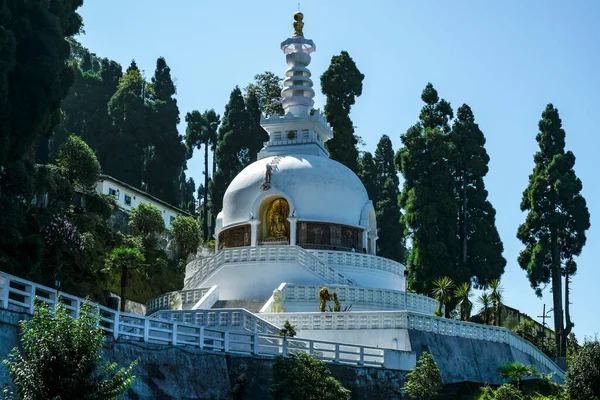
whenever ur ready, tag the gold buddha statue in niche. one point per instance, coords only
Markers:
(277, 213)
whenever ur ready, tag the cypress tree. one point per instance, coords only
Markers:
(129, 114)
(267, 89)
(389, 226)
(341, 84)
(480, 244)
(557, 217)
(368, 175)
(30, 95)
(231, 154)
(164, 170)
(428, 197)
(256, 134)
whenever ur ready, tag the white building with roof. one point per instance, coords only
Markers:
(128, 197)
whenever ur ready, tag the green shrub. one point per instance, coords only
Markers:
(61, 358)
(424, 381)
(583, 377)
(186, 233)
(302, 377)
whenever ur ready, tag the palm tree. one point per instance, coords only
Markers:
(496, 298)
(462, 294)
(202, 131)
(484, 301)
(515, 371)
(442, 292)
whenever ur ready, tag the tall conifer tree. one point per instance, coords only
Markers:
(557, 217)
(129, 114)
(428, 196)
(341, 84)
(164, 175)
(391, 230)
(256, 134)
(368, 175)
(480, 244)
(267, 89)
(231, 154)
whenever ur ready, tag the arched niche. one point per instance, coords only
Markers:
(275, 227)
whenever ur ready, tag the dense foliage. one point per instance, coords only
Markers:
(389, 225)
(302, 377)
(557, 217)
(447, 215)
(583, 376)
(341, 84)
(186, 233)
(61, 357)
(424, 381)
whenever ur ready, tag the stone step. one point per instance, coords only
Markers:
(250, 305)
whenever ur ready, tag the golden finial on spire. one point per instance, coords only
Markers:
(298, 24)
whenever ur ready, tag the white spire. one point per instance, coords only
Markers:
(298, 131)
(297, 94)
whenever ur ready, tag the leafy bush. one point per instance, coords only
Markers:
(508, 392)
(79, 163)
(186, 233)
(61, 358)
(424, 381)
(147, 222)
(302, 377)
(583, 377)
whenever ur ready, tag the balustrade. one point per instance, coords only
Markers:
(163, 301)
(259, 337)
(199, 270)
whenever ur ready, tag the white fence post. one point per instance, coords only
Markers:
(32, 299)
(116, 325)
(5, 292)
(146, 329)
(284, 347)
(226, 342)
(337, 352)
(255, 343)
(174, 334)
(201, 338)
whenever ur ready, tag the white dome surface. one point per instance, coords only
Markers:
(316, 187)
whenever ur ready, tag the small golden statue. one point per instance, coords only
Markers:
(298, 24)
(276, 215)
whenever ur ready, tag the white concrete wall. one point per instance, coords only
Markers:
(136, 199)
(371, 278)
(386, 338)
(255, 280)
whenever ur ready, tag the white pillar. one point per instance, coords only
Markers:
(365, 238)
(293, 223)
(373, 242)
(254, 232)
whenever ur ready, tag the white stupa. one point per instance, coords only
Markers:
(297, 227)
(297, 221)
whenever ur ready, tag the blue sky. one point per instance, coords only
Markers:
(506, 59)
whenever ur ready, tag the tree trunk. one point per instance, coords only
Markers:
(123, 288)
(568, 324)
(557, 293)
(463, 220)
(205, 207)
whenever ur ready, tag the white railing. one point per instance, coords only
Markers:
(199, 270)
(163, 302)
(358, 297)
(411, 320)
(360, 260)
(20, 294)
(208, 300)
(234, 319)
